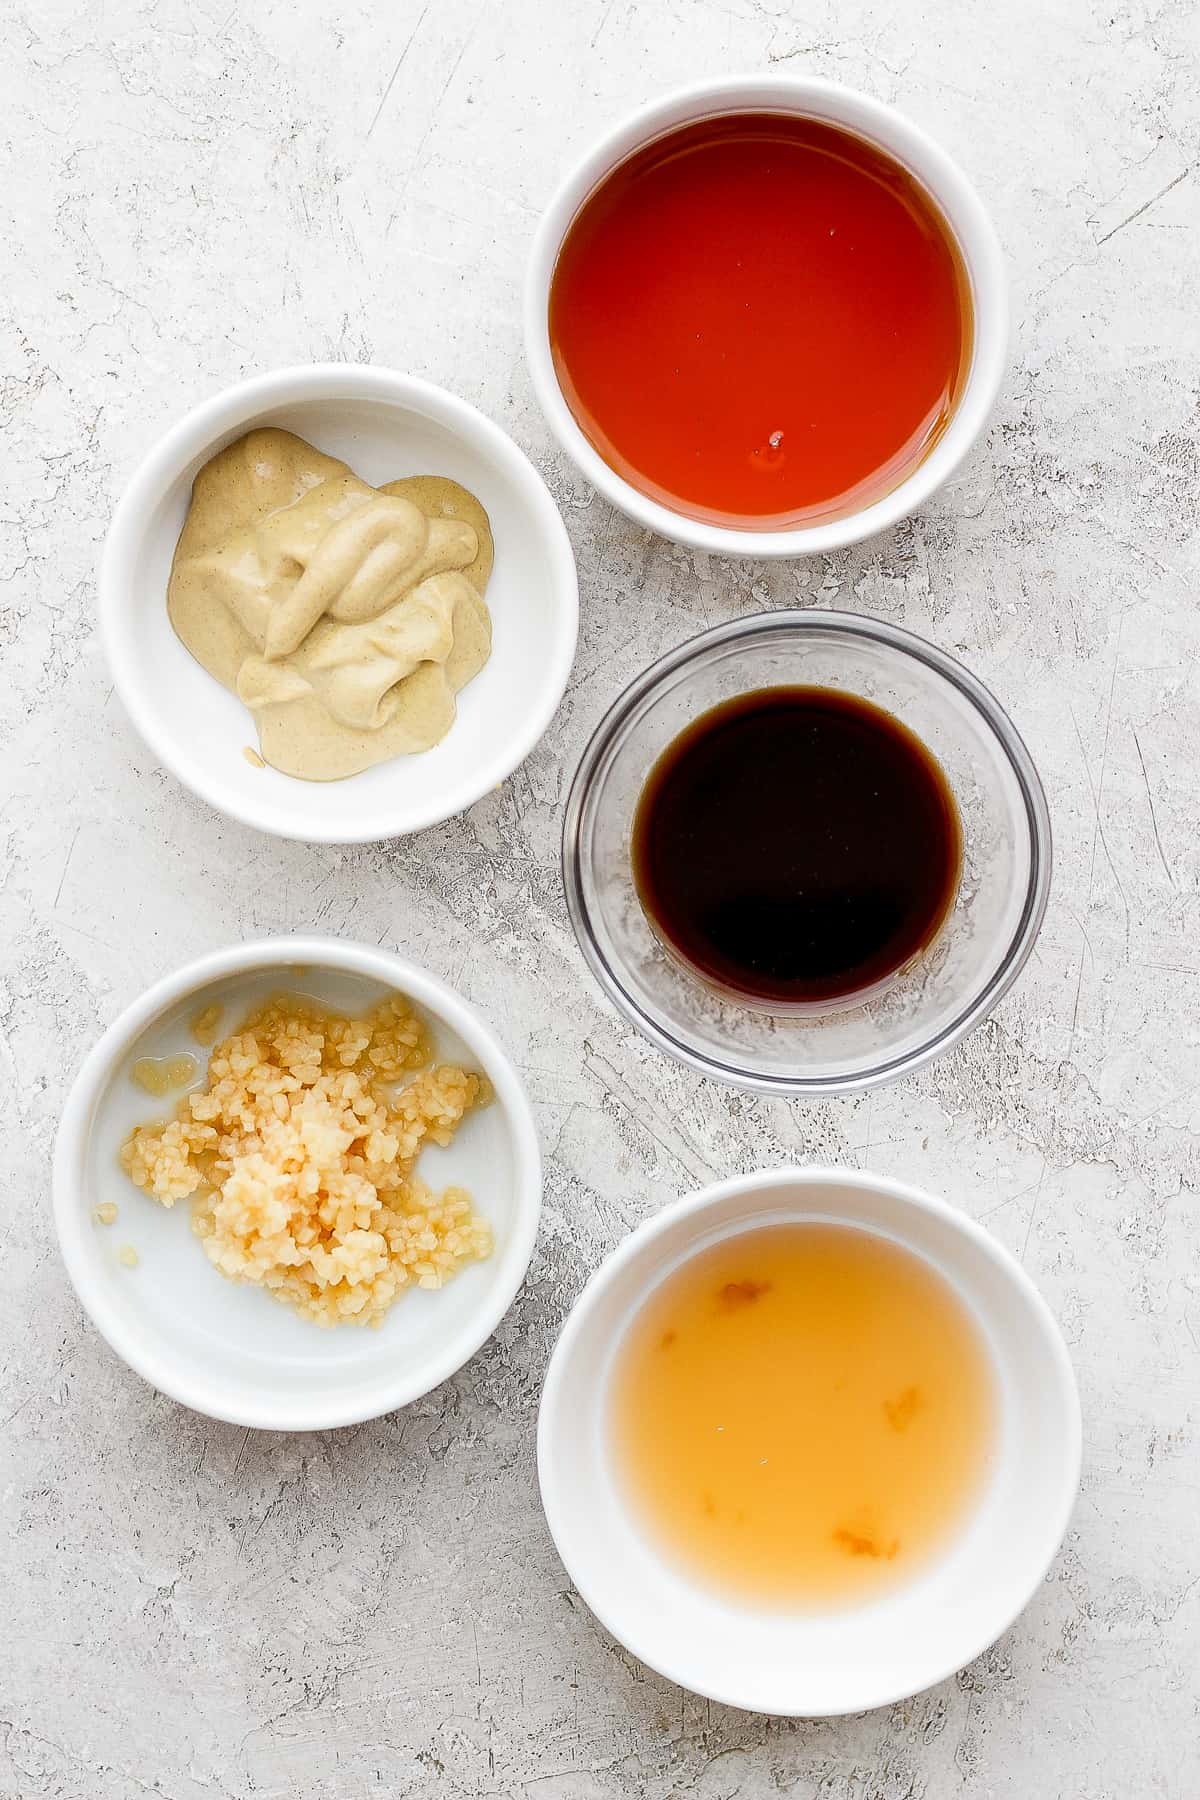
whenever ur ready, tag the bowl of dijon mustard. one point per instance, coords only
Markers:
(338, 603)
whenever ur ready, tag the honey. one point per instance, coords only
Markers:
(802, 1415)
(761, 320)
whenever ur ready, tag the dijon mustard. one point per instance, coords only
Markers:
(345, 617)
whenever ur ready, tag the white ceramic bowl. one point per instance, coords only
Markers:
(384, 425)
(815, 1664)
(231, 1350)
(908, 145)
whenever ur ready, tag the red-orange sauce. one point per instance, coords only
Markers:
(761, 320)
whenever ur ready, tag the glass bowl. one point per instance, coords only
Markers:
(943, 993)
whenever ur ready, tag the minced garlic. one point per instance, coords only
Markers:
(206, 1024)
(298, 1155)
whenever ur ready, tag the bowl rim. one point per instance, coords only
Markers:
(891, 131)
(766, 1181)
(984, 703)
(224, 411)
(72, 1216)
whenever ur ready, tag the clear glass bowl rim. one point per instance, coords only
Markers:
(984, 703)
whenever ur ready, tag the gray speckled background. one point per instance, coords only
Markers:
(194, 191)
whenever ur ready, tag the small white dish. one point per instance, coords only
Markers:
(815, 1664)
(385, 425)
(921, 156)
(228, 1349)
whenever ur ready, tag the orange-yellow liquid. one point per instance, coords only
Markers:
(802, 1415)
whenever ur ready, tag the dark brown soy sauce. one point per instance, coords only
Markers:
(797, 845)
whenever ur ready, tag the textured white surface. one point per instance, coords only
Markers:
(195, 191)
